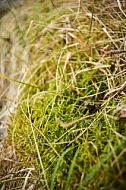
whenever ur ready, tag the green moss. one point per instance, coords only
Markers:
(89, 154)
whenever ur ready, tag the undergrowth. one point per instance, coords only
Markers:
(64, 126)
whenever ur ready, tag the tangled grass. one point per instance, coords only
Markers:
(68, 128)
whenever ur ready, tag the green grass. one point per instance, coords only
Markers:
(63, 125)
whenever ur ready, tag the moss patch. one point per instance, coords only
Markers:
(64, 125)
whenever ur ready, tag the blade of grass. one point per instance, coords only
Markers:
(57, 167)
(12, 180)
(91, 21)
(20, 82)
(71, 170)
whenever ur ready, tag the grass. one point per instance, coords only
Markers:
(63, 128)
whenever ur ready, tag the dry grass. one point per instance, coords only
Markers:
(67, 64)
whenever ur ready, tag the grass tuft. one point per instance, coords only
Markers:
(66, 125)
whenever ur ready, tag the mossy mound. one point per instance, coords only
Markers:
(64, 126)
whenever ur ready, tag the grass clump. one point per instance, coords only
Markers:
(64, 126)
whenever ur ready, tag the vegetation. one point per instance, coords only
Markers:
(69, 128)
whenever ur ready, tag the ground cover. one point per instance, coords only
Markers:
(69, 128)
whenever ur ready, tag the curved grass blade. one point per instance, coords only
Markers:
(57, 167)
(71, 170)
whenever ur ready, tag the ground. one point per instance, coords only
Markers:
(63, 98)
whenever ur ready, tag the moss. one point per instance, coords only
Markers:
(63, 126)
